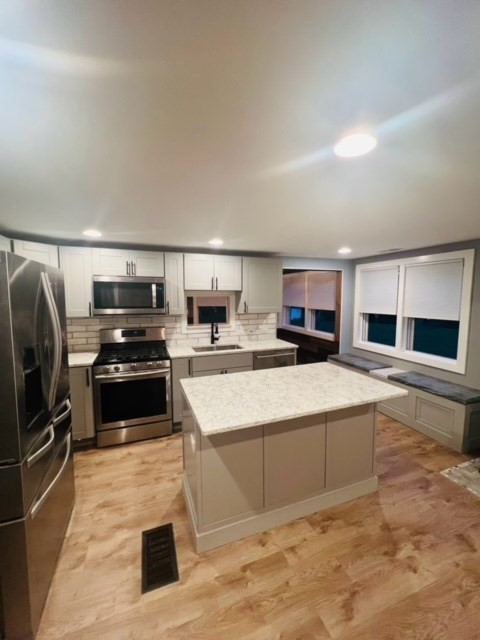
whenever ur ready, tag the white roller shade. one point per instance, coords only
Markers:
(378, 290)
(433, 290)
(294, 289)
(322, 290)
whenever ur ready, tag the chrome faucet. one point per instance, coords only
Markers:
(214, 336)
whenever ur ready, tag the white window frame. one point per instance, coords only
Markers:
(199, 330)
(403, 337)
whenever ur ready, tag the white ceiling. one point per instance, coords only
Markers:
(168, 122)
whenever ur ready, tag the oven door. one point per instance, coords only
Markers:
(128, 399)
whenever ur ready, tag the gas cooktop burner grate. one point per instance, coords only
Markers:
(132, 354)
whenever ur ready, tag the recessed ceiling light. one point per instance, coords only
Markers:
(92, 233)
(344, 250)
(356, 144)
(216, 242)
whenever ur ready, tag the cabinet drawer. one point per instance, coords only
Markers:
(224, 361)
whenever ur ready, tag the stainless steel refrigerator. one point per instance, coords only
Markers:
(36, 462)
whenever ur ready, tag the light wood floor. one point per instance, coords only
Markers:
(402, 563)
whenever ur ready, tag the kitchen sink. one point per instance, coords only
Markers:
(217, 347)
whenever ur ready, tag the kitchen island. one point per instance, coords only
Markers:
(262, 448)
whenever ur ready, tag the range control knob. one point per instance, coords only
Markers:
(150, 365)
(116, 368)
(106, 369)
(133, 367)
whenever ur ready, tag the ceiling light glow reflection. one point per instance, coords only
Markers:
(92, 233)
(355, 144)
(215, 242)
(344, 250)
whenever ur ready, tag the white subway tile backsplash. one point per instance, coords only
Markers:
(83, 333)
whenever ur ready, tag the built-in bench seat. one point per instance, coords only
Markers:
(445, 411)
(442, 388)
(357, 362)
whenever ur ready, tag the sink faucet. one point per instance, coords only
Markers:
(214, 333)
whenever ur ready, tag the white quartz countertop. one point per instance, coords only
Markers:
(82, 359)
(241, 400)
(183, 351)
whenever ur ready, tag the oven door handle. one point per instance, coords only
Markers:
(136, 374)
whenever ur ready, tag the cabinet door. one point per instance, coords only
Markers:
(44, 253)
(228, 273)
(111, 262)
(83, 423)
(174, 284)
(148, 263)
(5, 244)
(76, 263)
(198, 272)
(180, 370)
(350, 446)
(262, 286)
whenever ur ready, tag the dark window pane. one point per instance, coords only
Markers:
(325, 320)
(436, 337)
(212, 314)
(382, 329)
(297, 316)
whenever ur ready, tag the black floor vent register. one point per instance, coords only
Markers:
(159, 558)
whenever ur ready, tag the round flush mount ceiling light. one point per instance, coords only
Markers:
(355, 144)
(344, 250)
(215, 242)
(92, 233)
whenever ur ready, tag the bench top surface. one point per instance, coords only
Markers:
(448, 390)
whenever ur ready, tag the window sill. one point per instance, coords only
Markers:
(307, 332)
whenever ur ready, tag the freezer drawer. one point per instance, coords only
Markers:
(30, 548)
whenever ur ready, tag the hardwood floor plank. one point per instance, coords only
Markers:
(398, 564)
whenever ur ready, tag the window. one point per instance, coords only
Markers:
(296, 316)
(381, 328)
(435, 337)
(417, 309)
(204, 309)
(310, 301)
(324, 320)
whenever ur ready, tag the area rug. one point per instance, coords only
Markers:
(466, 474)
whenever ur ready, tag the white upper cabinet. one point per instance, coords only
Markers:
(5, 244)
(262, 286)
(206, 272)
(44, 253)
(76, 263)
(127, 262)
(175, 295)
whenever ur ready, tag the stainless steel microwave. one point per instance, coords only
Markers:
(128, 295)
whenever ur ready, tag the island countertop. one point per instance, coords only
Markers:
(242, 400)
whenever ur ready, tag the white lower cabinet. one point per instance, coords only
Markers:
(76, 263)
(181, 368)
(81, 389)
(262, 286)
(44, 253)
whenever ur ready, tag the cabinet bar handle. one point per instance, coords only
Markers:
(87, 371)
(90, 309)
(216, 282)
(128, 268)
(134, 269)
(168, 307)
(189, 366)
(245, 307)
(212, 283)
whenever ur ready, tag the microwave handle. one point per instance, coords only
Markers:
(154, 296)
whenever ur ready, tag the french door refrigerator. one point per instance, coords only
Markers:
(36, 462)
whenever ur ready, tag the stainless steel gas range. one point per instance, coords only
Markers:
(132, 386)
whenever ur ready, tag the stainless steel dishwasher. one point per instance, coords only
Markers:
(271, 359)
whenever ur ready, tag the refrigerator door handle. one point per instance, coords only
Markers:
(37, 505)
(43, 450)
(63, 415)
(57, 334)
